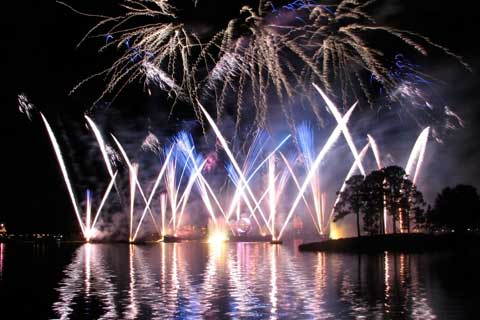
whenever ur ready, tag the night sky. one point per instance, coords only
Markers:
(39, 58)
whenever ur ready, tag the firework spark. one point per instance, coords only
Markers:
(151, 143)
(158, 51)
(24, 106)
(266, 55)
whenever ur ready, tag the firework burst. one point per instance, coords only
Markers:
(267, 55)
(156, 49)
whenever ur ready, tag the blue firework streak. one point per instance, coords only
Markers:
(404, 71)
(297, 7)
(306, 142)
(252, 164)
(186, 152)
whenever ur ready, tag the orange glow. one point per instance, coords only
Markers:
(217, 237)
(334, 232)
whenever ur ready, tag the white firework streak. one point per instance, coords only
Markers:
(63, 168)
(130, 168)
(316, 164)
(152, 193)
(417, 155)
(376, 151)
(345, 131)
(229, 153)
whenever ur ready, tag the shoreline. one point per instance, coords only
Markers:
(409, 243)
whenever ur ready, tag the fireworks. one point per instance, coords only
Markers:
(267, 55)
(24, 106)
(158, 52)
(151, 143)
(417, 155)
(88, 226)
(260, 181)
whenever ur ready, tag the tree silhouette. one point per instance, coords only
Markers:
(351, 201)
(412, 208)
(457, 209)
(395, 192)
(386, 189)
(373, 203)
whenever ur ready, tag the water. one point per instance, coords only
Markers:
(236, 280)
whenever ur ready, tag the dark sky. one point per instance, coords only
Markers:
(39, 58)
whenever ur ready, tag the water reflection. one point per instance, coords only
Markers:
(87, 287)
(238, 280)
(2, 249)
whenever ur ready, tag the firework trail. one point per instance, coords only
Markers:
(307, 146)
(257, 146)
(161, 79)
(316, 164)
(101, 144)
(250, 172)
(234, 163)
(297, 184)
(272, 195)
(88, 226)
(163, 210)
(107, 157)
(376, 151)
(346, 133)
(102, 203)
(152, 192)
(186, 195)
(182, 160)
(135, 180)
(172, 187)
(417, 155)
(63, 168)
(194, 164)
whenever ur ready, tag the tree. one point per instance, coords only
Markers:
(395, 192)
(388, 189)
(373, 203)
(351, 200)
(457, 209)
(412, 208)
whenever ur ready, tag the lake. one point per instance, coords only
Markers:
(195, 280)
